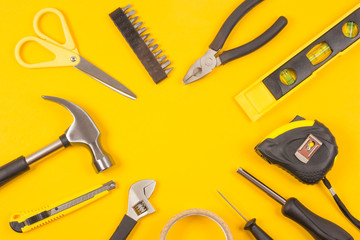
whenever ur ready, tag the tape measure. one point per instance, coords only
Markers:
(307, 150)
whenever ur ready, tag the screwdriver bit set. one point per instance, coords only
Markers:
(143, 46)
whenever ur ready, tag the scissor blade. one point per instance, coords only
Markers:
(99, 75)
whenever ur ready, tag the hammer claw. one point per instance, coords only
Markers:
(83, 130)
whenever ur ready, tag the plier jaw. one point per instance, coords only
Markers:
(202, 67)
(209, 61)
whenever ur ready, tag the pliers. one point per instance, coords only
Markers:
(209, 61)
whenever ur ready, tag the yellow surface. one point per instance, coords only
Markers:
(190, 139)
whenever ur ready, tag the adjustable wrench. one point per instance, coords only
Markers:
(138, 207)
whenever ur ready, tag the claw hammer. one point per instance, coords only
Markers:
(82, 130)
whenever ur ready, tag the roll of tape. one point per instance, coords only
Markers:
(197, 212)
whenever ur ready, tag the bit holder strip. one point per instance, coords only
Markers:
(144, 49)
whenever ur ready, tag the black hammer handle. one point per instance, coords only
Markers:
(13, 169)
(318, 227)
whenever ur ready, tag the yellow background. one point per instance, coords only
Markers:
(190, 139)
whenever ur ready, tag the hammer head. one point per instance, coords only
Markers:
(83, 130)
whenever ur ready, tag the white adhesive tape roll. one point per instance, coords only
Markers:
(197, 212)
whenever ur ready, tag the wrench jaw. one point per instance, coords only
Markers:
(139, 205)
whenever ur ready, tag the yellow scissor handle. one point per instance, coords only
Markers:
(63, 57)
(69, 42)
(65, 54)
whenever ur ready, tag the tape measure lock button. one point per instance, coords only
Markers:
(308, 149)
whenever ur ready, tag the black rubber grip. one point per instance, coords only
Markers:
(258, 233)
(255, 44)
(231, 21)
(319, 228)
(123, 230)
(273, 149)
(13, 169)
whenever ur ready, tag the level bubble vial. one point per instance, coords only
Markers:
(288, 76)
(319, 53)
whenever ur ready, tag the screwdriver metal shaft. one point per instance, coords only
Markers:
(262, 186)
(318, 227)
(251, 225)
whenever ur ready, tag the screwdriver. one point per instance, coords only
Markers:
(318, 227)
(251, 225)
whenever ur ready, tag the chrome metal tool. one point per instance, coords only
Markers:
(318, 227)
(23, 222)
(83, 130)
(251, 225)
(138, 207)
(143, 47)
(211, 59)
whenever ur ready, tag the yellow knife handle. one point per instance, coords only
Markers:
(17, 220)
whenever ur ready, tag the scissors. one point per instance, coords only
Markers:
(67, 54)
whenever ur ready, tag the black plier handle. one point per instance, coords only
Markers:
(211, 59)
(255, 44)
